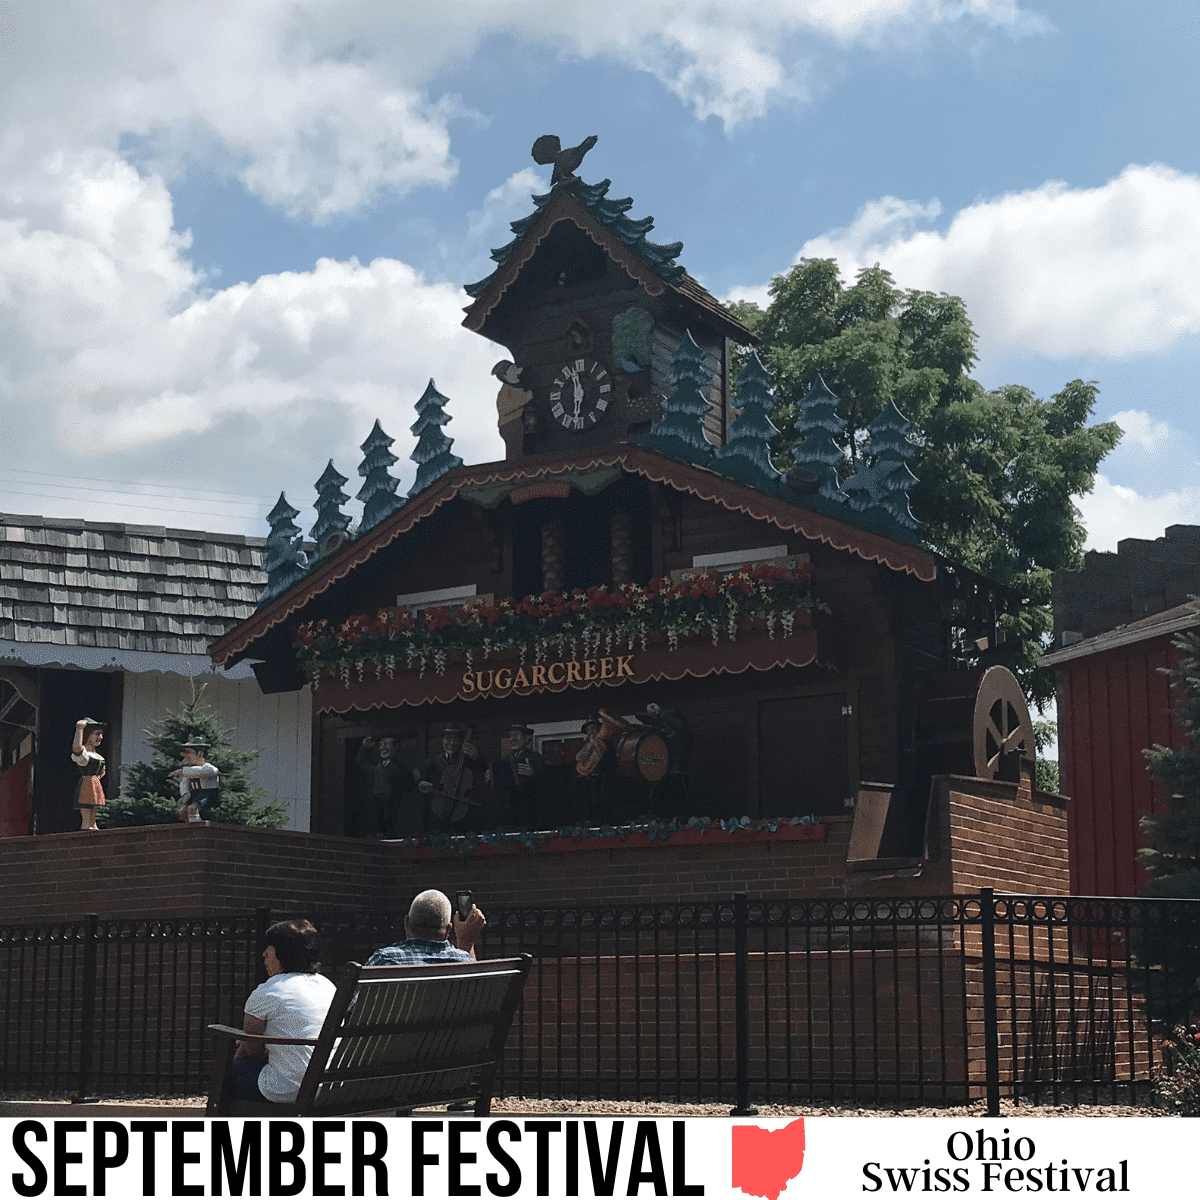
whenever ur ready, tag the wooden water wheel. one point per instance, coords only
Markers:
(1003, 732)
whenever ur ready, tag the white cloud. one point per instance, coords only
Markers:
(115, 359)
(319, 108)
(1142, 430)
(1055, 271)
(504, 204)
(1112, 512)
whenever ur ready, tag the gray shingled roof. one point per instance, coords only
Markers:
(123, 587)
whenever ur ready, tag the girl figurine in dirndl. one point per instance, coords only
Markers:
(89, 795)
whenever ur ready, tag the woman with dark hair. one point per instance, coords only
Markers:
(292, 1003)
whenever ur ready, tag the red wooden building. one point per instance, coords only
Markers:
(1114, 702)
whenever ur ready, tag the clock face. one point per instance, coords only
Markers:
(580, 394)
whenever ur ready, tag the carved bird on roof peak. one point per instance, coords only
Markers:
(548, 149)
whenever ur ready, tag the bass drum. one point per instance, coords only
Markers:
(642, 757)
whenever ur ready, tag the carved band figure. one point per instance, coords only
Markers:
(447, 779)
(389, 778)
(517, 776)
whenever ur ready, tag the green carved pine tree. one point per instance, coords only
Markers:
(432, 451)
(746, 456)
(879, 488)
(378, 492)
(679, 432)
(819, 427)
(149, 797)
(1169, 950)
(283, 560)
(330, 498)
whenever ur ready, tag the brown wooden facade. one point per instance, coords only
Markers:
(781, 726)
(783, 722)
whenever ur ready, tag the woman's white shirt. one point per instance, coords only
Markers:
(293, 1004)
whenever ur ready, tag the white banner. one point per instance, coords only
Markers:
(441, 1156)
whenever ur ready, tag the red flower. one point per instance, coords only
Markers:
(436, 618)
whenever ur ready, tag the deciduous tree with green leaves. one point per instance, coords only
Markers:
(150, 797)
(997, 472)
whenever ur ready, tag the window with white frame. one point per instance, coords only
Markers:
(455, 597)
(728, 561)
(738, 558)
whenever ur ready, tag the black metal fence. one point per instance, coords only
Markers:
(933, 1000)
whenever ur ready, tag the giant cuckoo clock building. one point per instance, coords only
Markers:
(749, 643)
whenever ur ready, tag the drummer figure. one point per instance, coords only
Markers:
(669, 796)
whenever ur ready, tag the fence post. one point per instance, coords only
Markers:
(991, 1023)
(741, 991)
(262, 920)
(87, 1017)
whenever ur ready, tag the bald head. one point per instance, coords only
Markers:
(428, 916)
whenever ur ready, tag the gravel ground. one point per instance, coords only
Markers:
(1007, 1109)
(610, 1108)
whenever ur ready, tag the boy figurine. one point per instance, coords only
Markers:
(199, 781)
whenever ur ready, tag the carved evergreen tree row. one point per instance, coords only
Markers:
(283, 559)
(679, 432)
(330, 498)
(876, 494)
(432, 451)
(746, 456)
(880, 486)
(378, 492)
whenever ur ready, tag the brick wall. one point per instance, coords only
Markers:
(985, 835)
(165, 870)
(1003, 836)
(836, 1024)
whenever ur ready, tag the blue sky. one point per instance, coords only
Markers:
(232, 236)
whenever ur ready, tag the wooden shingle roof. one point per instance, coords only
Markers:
(122, 588)
(585, 205)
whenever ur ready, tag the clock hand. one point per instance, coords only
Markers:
(578, 395)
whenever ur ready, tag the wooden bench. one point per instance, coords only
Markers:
(395, 1039)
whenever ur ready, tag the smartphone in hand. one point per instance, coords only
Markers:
(464, 901)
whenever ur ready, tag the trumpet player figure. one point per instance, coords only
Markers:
(594, 762)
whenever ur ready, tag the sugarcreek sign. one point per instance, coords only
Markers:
(369, 686)
(541, 677)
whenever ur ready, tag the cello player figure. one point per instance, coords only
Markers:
(457, 752)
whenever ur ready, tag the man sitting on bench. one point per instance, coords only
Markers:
(432, 935)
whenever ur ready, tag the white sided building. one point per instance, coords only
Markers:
(113, 622)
